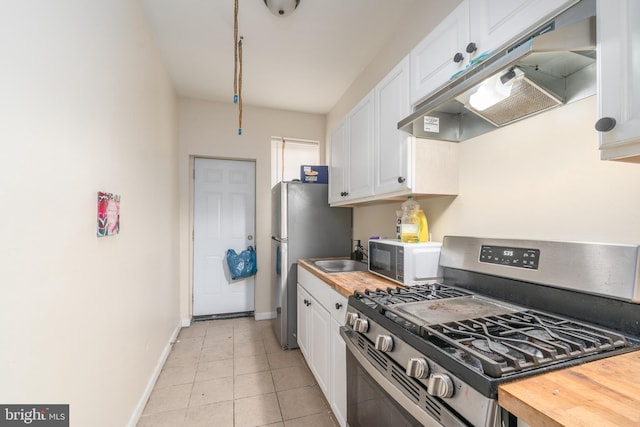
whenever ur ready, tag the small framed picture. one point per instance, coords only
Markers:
(108, 214)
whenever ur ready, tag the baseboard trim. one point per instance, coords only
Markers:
(265, 316)
(137, 413)
(185, 323)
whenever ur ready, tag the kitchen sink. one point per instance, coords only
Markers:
(340, 265)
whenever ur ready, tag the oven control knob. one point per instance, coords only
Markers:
(440, 385)
(384, 343)
(418, 368)
(361, 325)
(351, 318)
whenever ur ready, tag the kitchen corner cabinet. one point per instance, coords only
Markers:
(474, 28)
(351, 155)
(618, 84)
(321, 312)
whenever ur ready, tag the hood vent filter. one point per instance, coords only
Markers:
(526, 99)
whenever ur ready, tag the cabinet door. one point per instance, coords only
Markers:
(432, 61)
(618, 83)
(338, 162)
(303, 322)
(339, 375)
(360, 142)
(319, 329)
(497, 22)
(391, 144)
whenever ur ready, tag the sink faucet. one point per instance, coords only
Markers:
(359, 253)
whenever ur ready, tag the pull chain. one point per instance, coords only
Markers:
(240, 87)
(235, 53)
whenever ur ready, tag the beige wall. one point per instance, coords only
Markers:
(86, 106)
(540, 178)
(208, 129)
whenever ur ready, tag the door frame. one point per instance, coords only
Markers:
(191, 236)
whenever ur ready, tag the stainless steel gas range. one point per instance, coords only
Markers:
(504, 310)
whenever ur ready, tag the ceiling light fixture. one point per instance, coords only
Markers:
(282, 7)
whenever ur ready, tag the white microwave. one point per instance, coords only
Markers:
(405, 263)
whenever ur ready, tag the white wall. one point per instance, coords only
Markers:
(209, 129)
(541, 178)
(85, 106)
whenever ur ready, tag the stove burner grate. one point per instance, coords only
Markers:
(514, 342)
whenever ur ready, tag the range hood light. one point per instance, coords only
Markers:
(495, 89)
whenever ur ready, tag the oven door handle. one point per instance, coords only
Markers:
(392, 390)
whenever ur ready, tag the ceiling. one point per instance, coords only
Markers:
(303, 62)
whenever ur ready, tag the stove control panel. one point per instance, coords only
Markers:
(512, 257)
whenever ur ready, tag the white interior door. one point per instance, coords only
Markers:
(224, 218)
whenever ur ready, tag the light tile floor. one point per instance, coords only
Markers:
(232, 372)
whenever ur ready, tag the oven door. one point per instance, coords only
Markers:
(372, 401)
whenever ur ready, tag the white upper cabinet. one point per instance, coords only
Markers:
(618, 84)
(351, 155)
(360, 135)
(432, 60)
(371, 159)
(495, 23)
(391, 144)
(338, 161)
(473, 29)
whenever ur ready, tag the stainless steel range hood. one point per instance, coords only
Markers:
(551, 66)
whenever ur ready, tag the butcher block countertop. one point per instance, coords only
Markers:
(347, 283)
(601, 393)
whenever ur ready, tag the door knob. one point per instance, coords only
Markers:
(458, 57)
(471, 47)
(401, 180)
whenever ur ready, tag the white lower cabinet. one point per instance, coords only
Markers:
(321, 312)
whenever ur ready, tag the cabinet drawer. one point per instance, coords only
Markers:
(317, 288)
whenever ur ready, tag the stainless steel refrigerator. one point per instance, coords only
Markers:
(303, 225)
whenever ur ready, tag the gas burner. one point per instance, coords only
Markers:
(515, 342)
(424, 292)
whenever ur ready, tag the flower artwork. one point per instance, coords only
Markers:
(108, 214)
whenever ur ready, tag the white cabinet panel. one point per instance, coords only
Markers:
(360, 137)
(432, 60)
(339, 374)
(497, 22)
(391, 144)
(302, 316)
(618, 84)
(338, 163)
(321, 312)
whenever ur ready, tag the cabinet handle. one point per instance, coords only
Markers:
(471, 47)
(605, 124)
(401, 180)
(458, 57)
(338, 306)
